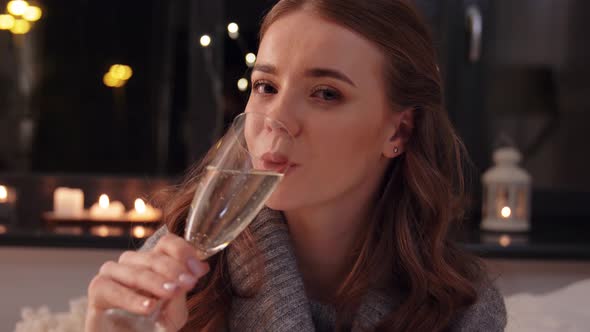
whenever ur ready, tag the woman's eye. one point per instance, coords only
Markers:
(327, 94)
(264, 88)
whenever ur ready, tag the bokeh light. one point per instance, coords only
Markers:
(250, 59)
(506, 212)
(6, 22)
(505, 240)
(3, 193)
(139, 231)
(20, 27)
(233, 27)
(233, 30)
(205, 40)
(112, 82)
(17, 7)
(121, 72)
(117, 76)
(32, 13)
(242, 84)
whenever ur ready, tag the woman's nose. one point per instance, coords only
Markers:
(272, 124)
(285, 118)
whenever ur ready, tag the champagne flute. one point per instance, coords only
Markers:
(244, 168)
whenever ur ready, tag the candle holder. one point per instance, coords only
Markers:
(8, 198)
(506, 194)
(103, 219)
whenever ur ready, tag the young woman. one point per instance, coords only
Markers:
(355, 237)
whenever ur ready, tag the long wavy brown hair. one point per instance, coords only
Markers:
(422, 193)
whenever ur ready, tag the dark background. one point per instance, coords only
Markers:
(527, 88)
(82, 126)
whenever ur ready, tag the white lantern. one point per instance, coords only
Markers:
(506, 194)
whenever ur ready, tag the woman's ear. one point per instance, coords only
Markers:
(400, 133)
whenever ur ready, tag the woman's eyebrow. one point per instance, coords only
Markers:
(313, 72)
(265, 68)
(326, 72)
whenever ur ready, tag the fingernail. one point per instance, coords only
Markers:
(196, 268)
(146, 303)
(169, 286)
(187, 279)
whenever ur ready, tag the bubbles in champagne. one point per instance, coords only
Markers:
(215, 221)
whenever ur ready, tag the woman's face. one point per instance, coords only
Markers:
(325, 83)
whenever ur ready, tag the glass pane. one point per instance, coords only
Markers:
(537, 88)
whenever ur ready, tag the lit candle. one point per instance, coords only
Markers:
(105, 209)
(7, 204)
(144, 212)
(3, 194)
(7, 194)
(506, 193)
(506, 212)
(68, 202)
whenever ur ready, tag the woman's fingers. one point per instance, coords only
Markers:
(179, 249)
(105, 293)
(161, 264)
(174, 315)
(140, 281)
(140, 278)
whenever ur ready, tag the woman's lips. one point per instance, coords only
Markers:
(277, 162)
(275, 157)
(285, 168)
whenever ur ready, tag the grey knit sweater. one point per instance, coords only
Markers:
(282, 305)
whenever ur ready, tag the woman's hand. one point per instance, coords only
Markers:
(140, 279)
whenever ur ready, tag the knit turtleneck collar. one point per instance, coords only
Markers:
(281, 303)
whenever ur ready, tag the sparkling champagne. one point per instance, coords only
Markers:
(225, 203)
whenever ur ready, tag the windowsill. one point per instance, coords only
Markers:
(560, 240)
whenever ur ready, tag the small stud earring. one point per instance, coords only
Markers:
(395, 150)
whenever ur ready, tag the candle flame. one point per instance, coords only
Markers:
(139, 231)
(3, 193)
(140, 205)
(506, 212)
(103, 201)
